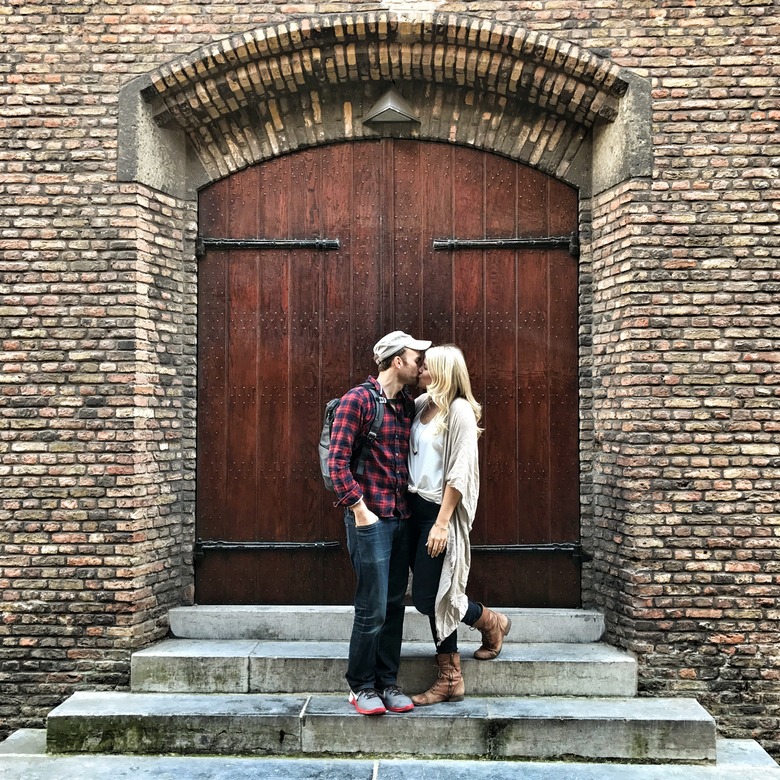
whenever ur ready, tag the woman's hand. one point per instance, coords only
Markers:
(437, 540)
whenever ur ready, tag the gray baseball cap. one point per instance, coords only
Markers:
(396, 341)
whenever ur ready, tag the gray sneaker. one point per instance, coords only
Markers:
(395, 699)
(367, 702)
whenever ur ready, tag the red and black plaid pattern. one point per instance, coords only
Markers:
(384, 481)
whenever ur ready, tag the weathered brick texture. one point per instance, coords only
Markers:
(97, 466)
(679, 319)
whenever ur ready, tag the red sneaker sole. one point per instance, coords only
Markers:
(381, 711)
(401, 709)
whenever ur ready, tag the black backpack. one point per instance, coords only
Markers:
(362, 447)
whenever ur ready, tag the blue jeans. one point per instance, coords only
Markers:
(380, 558)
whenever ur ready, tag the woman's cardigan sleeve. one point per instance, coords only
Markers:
(460, 471)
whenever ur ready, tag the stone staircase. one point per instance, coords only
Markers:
(267, 683)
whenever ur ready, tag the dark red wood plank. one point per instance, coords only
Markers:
(273, 369)
(212, 385)
(306, 267)
(500, 501)
(435, 272)
(563, 390)
(242, 399)
(404, 263)
(466, 221)
(339, 205)
(563, 362)
(371, 232)
(533, 429)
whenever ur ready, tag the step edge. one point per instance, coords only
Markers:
(80, 698)
(165, 648)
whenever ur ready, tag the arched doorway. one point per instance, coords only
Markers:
(283, 328)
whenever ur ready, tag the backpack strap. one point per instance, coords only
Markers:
(409, 406)
(379, 413)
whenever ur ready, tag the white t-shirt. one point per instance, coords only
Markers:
(426, 448)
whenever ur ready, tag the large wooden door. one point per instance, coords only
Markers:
(283, 328)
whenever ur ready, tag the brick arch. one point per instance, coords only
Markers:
(308, 81)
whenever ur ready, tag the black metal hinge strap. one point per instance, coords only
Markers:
(318, 244)
(202, 546)
(570, 242)
(572, 548)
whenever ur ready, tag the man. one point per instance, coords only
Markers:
(375, 517)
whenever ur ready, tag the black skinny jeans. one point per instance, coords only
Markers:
(427, 571)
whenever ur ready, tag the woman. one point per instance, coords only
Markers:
(443, 493)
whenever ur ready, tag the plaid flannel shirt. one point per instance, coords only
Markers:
(384, 483)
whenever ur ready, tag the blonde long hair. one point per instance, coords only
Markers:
(449, 380)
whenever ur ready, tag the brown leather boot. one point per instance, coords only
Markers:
(494, 627)
(448, 687)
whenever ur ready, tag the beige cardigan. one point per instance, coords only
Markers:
(460, 471)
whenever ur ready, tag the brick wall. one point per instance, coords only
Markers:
(97, 446)
(680, 394)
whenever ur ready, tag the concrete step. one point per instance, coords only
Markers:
(22, 758)
(250, 666)
(334, 624)
(23, 767)
(637, 730)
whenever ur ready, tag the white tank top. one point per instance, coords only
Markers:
(426, 448)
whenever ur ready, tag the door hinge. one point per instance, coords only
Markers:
(317, 244)
(572, 548)
(570, 242)
(202, 546)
